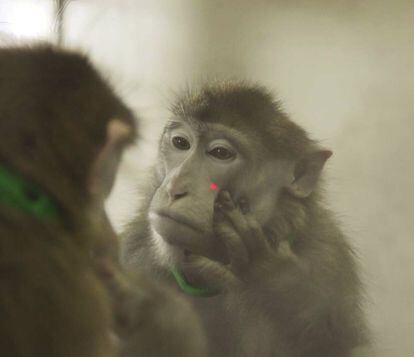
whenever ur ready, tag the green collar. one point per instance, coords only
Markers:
(189, 289)
(19, 193)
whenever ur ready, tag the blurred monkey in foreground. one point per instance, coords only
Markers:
(234, 217)
(62, 292)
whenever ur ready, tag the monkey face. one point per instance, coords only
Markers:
(196, 162)
(227, 138)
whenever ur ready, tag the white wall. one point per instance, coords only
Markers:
(344, 70)
(25, 20)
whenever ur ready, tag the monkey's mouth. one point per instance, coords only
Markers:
(179, 219)
(178, 231)
(186, 239)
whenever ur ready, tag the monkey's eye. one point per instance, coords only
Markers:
(221, 153)
(181, 143)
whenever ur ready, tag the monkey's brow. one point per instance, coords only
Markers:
(237, 137)
(173, 125)
(240, 139)
(178, 123)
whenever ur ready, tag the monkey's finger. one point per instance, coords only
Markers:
(248, 229)
(209, 273)
(255, 237)
(225, 200)
(244, 205)
(236, 248)
(231, 212)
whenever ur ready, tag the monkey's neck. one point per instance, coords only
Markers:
(19, 193)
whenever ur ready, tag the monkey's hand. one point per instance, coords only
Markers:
(250, 256)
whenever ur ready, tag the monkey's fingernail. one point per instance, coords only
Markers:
(225, 200)
(225, 195)
(244, 206)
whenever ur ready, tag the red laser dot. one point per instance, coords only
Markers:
(213, 186)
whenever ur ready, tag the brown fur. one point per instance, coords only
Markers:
(302, 301)
(55, 99)
(54, 110)
(62, 291)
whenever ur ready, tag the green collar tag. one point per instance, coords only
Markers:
(189, 289)
(15, 191)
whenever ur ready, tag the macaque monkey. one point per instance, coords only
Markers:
(62, 290)
(234, 218)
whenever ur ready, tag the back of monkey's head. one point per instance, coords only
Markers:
(54, 111)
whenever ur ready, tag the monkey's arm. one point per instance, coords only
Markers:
(303, 300)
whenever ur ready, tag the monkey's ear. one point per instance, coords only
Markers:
(105, 166)
(307, 172)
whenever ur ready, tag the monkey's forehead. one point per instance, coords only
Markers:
(236, 104)
(247, 107)
(232, 98)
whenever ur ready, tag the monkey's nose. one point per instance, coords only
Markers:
(178, 195)
(177, 189)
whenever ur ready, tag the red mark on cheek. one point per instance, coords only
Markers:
(213, 186)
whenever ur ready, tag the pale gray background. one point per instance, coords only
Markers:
(344, 70)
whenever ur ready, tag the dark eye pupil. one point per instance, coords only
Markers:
(181, 143)
(221, 153)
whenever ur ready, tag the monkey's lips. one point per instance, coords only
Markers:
(176, 229)
(180, 219)
(180, 232)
